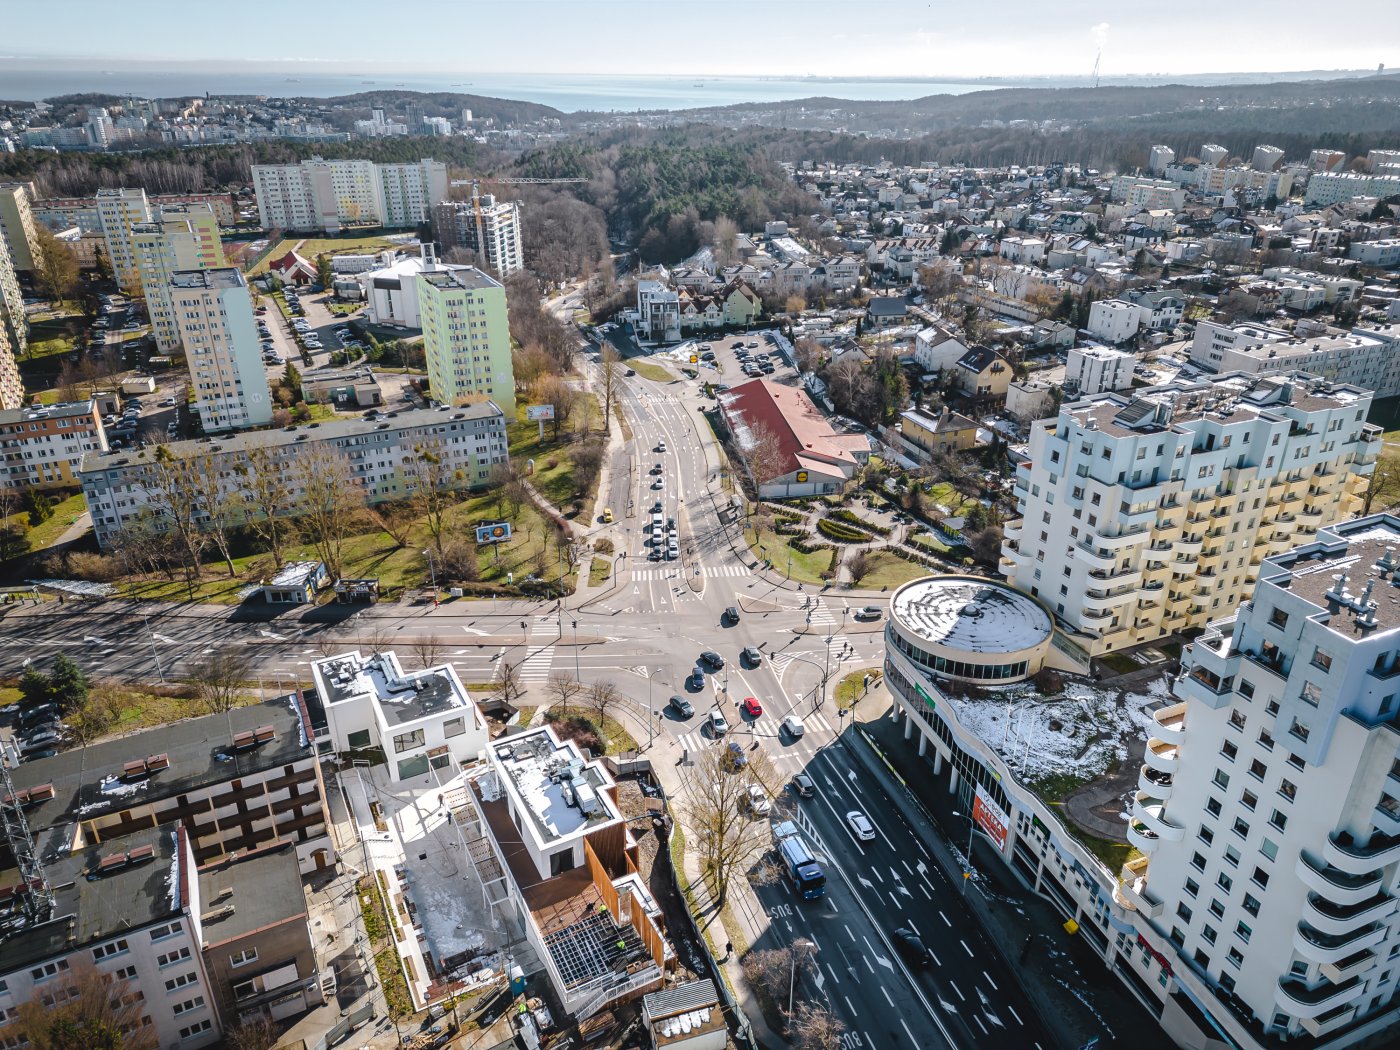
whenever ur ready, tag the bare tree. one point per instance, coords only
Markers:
(331, 502)
(814, 1027)
(173, 493)
(256, 1033)
(603, 696)
(508, 684)
(95, 1012)
(715, 815)
(220, 679)
(860, 564)
(397, 521)
(96, 714)
(220, 505)
(269, 500)
(552, 390)
(433, 483)
(610, 370)
(763, 453)
(1384, 487)
(427, 648)
(562, 690)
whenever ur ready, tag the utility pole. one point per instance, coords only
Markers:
(576, 671)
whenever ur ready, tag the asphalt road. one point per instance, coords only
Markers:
(645, 636)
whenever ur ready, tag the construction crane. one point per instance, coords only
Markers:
(519, 182)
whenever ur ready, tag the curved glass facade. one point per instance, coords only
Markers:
(1002, 672)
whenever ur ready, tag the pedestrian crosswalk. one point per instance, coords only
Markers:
(535, 668)
(820, 614)
(676, 571)
(715, 572)
(759, 729)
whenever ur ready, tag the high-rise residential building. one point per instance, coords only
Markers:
(17, 227)
(214, 311)
(118, 210)
(1211, 154)
(186, 237)
(99, 128)
(1266, 158)
(42, 446)
(466, 338)
(14, 332)
(1271, 823)
(1326, 159)
(328, 194)
(1158, 157)
(1366, 356)
(1150, 514)
(484, 225)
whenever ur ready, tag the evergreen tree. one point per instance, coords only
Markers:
(34, 687)
(67, 684)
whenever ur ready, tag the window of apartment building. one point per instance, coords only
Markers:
(453, 727)
(1213, 807)
(1278, 618)
(1192, 887)
(1243, 931)
(168, 930)
(1234, 958)
(1296, 761)
(1249, 800)
(181, 981)
(408, 741)
(1310, 693)
(1206, 834)
(1261, 877)
(1300, 730)
(1217, 908)
(1222, 778)
(170, 958)
(1237, 719)
(48, 970)
(1266, 739)
(126, 973)
(188, 1005)
(1229, 750)
(106, 951)
(1241, 827)
(244, 957)
(1279, 819)
(196, 1029)
(1177, 937)
(1198, 862)
(1224, 882)
(1322, 659)
(1183, 911)
(1257, 769)
(1208, 933)
(1232, 856)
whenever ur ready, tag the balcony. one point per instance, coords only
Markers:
(1339, 887)
(1331, 1021)
(1326, 917)
(1351, 966)
(1103, 600)
(1126, 538)
(1116, 578)
(1012, 529)
(1155, 782)
(1091, 557)
(1132, 891)
(1006, 566)
(1329, 948)
(1161, 755)
(1142, 838)
(1171, 723)
(1298, 999)
(1189, 546)
(1204, 687)
(1342, 851)
(1150, 811)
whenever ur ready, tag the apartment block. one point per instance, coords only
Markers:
(658, 313)
(1159, 158)
(43, 446)
(1213, 154)
(17, 227)
(484, 225)
(1096, 369)
(1114, 320)
(1265, 158)
(466, 338)
(1338, 187)
(14, 332)
(471, 441)
(1364, 357)
(326, 195)
(1326, 159)
(118, 210)
(1148, 194)
(1269, 810)
(1147, 515)
(186, 237)
(214, 314)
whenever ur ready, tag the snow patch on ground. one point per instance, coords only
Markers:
(1078, 733)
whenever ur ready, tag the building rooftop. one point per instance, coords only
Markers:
(789, 414)
(969, 614)
(679, 1014)
(33, 413)
(294, 574)
(182, 756)
(265, 889)
(139, 884)
(552, 782)
(334, 430)
(220, 277)
(468, 278)
(400, 696)
(1350, 571)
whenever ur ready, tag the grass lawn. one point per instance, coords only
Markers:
(48, 347)
(1113, 854)
(617, 738)
(944, 493)
(851, 688)
(599, 571)
(314, 246)
(555, 482)
(806, 568)
(651, 370)
(890, 572)
(1054, 787)
(65, 512)
(1120, 663)
(930, 542)
(344, 309)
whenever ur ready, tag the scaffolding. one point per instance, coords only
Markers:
(34, 896)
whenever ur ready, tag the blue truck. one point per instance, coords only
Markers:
(798, 861)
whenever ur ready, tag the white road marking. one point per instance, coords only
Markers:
(945, 920)
(908, 1033)
(1016, 1015)
(954, 986)
(853, 1009)
(887, 996)
(967, 949)
(849, 934)
(990, 981)
(981, 1025)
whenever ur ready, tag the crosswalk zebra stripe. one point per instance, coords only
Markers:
(536, 666)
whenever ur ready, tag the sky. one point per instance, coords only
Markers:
(858, 38)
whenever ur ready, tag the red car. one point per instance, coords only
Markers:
(752, 708)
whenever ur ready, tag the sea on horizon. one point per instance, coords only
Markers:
(568, 93)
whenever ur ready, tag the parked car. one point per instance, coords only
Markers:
(734, 755)
(757, 802)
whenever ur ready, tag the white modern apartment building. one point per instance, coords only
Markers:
(1271, 824)
(470, 441)
(1326, 159)
(1365, 357)
(186, 237)
(118, 210)
(1213, 154)
(214, 312)
(1338, 187)
(1096, 369)
(327, 195)
(42, 446)
(1114, 320)
(466, 337)
(14, 332)
(1148, 194)
(489, 227)
(1159, 158)
(1383, 253)
(658, 313)
(1148, 515)
(1265, 158)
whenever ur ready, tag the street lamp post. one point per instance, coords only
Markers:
(576, 671)
(154, 651)
(967, 862)
(432, 575)
(799, 946)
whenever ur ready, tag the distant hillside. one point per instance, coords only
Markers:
(447, 104)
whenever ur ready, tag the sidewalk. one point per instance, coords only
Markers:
(1064, 979)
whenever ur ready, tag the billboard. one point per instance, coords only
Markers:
(990, 818)
(539, 413)
(497, 533)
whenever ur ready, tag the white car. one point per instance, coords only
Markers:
(793, 726)
(860, 825)
(757, 801)
(719, 725)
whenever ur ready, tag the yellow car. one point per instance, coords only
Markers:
(607, 515)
